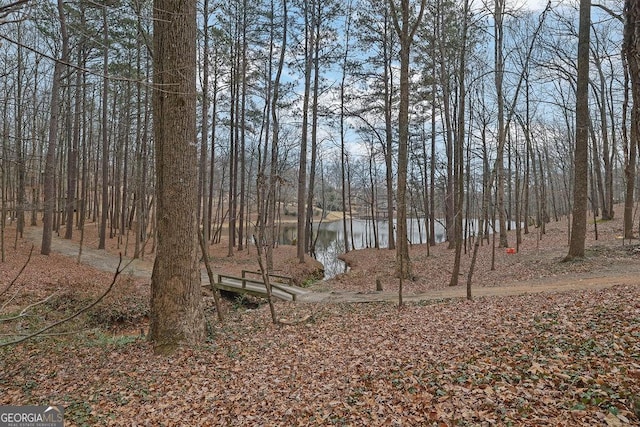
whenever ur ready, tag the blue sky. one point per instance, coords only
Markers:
(530, 4)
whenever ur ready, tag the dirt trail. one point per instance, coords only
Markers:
(581, 282)
(620, 273)
(99, 259)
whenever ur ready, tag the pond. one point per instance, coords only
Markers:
(330, 239)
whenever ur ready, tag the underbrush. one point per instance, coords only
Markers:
(124, 307)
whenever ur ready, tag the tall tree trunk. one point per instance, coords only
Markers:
(273, 206)
(527, 161)
(124, 194)
(233, 146)
(105, 134)
(309, 19)
(343, 153)
(20, 158)
(599, 199)
(499, 76)
(374, 198)
(204, 129)
(631, 55)
(72, 160)
(432, 161)
(314, 129)
(52, 145)
(579, 223)
(459, 151)
(177, 315)
(388, 109)
(405, 32)
(544, 215)
(445, 82)
(35, 196)
(607, 197)
(4, 172)
(243, 113)
(214, 122)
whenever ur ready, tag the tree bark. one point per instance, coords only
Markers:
(203, 204)
(405, 32)
(49, 168)
(631, 55)
(343, 152)
(302, 172)
(459, 150)
(579, 223)
(105, 135)
(177, 316)
(20, 158)
(388, 152)
(499, 76)
(72, 161)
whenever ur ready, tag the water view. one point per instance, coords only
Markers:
(330, 239)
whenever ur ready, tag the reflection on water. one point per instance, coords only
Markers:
(330, 239)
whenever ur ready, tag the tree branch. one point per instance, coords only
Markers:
(73, 316)
(614, 15)
(212, 282)
(19, 273)
(11, 7)
(24, 310)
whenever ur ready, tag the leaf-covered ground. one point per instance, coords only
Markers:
(547, 359)
(561, 358)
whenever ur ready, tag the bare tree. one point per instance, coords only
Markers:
(50, 163)
(406, 31)
(105, 133)
(343, 153)
(459, 149)
(580, 190)
(631, 55)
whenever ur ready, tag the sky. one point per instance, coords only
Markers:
(529, 4)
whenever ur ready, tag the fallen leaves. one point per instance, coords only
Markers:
(567, 359)
(497, 361)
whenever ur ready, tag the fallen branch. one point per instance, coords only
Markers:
(53, 334)
(207, 264)
(78, 313)
(265, 279)
(23, 313)
(9, 300)
(19, 273)
(294, 322)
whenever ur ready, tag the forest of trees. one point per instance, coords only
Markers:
(447, 110)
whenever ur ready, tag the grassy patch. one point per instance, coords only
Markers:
(309, 282)
(117, 340)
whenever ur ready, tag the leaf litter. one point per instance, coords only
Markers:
(561, 358)
(546, 359)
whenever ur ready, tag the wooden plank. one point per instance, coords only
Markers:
(257, 287)
(254, 292)
(288, 279)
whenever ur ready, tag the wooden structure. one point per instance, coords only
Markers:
(282, 287)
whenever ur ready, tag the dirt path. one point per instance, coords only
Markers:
(581, 282)
(619, 273)
(99, 259)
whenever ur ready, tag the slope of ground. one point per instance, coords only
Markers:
(551, 358)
